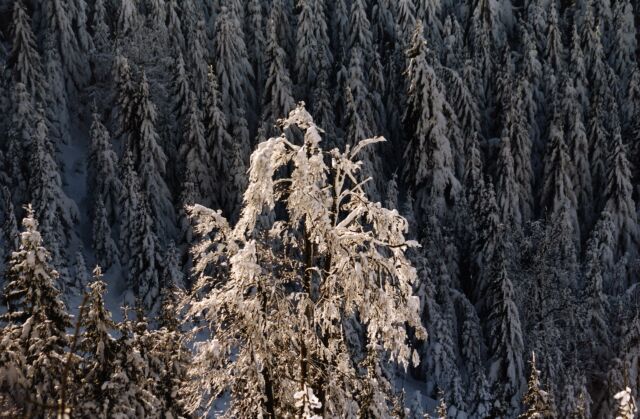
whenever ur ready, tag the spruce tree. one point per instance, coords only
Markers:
(278, 96)
(430, 165)
(102, 165)
(57, 16)
(151, 163)
(194, 154)
(506, 342)
(234, 73)
(558, 191)
(104, 246)
(215, 122)
(55, 211)
(536, 400)
(144, 264)
(620, 202)
(20, 139)
(36, 321)
(24, 60)
(98, 349)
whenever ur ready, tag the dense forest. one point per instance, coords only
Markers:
(319, 208)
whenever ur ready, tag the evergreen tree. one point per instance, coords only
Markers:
(195, 155)
(20, 139)
(595, 316)
(151, 163)
(578, 146)
(430, 168)
(508, 194)
(234, 73)
(104, 246)
(558, 192)
(102, 56)
(10, 234)
(620, 202)
(256, 42)
(278, 95)
(125, 97)
(313, 54)
(35, 323)
(102, 176)
(98, 348)
(536, 400)
(24, 59)
(198, 57)
(55, 211)
(506, 342)
(144, 264)
(217, 136)
(57, 16)
(129, 203)
(181, 91)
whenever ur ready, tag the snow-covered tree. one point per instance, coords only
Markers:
(24, 59)
(34, 325)
(233, 71)
(10, 233)
(180, 90)
(102, 55)
(129, 202)
(198, 57)
(20, 138)
(430, 165)
(558, 191)
(128, 392)
(506, 370)
(98, 349)
(283, 324)
(145, 260)
(104, 246)
(194, 154)
(313, 53)
(578, 146)
(151, 163)
(55, 211)
(536, 400)
(626, 404)
(102, 165)
(620, 202)
(57, 17)
(277, 99)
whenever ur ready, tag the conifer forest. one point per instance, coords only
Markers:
(320, 209)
